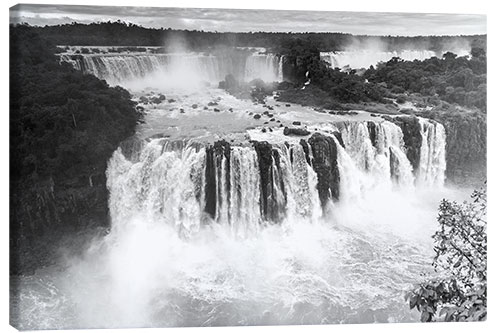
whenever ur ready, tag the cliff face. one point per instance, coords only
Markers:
(465, 146)
(324, 151)
(272, 205)
(411, 136)
(217, 154)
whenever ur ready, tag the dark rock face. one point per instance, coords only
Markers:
(412, 138)
(295, 131)
(272, 201)
(372, 130)
(394, 164)
(305, 146)
(213, 171)
(338, 136)
(465, 146)
(324, 151)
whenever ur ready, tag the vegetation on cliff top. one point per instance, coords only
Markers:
(453, 79)
(64, 126)
(459, 294)
(128, 34)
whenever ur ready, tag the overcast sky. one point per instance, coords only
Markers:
(407, 24)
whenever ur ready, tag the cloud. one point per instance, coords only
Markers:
(239, 20)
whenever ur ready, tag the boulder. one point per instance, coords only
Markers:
(295, 131)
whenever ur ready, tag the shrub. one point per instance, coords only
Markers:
(460, 246)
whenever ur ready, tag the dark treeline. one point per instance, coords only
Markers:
(126, 34)
(453, 79)
(64, 126)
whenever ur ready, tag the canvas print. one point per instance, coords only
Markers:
(175, 167)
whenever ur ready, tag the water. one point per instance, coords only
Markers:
(186, 67)
(368, 57)
(190, 243)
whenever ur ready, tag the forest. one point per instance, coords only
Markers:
(64, 126)
(127, 34)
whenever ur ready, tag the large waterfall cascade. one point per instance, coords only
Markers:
(187, 185)
(216, 220)
(244, 65)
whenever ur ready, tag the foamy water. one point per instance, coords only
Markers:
(165, 263)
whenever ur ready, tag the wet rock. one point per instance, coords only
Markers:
(338, 136)
(272, 205)
(296, 131)
(270, 115)
(216, 110)
(194, 106)
(287, 105)
(266, 122)
(256, 116)
(296, 123)
(214, 162)
(324, 152)
(171, 100)
(272, 119)
(161, 97)
(372, 130)
(212, 103)
(205, 108)
(305, 147)
(182, 110)
(139, 108)
(143, 100)
(411, 137)
(156, 100)
(263, 130)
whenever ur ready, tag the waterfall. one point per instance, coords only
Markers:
(432, 164)
(367, 58)
(244, 186)
(121, 67)
(264, 66)
(377, 150)
(163, 184)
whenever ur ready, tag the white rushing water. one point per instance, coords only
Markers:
(211, 68)
(192, 244)
(366, 58)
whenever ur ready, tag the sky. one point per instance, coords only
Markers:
(238, 20)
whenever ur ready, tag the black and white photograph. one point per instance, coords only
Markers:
(194, 167)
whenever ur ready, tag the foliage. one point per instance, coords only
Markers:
(460, 246)
(126, 34)
(64, 126)
(451, 78)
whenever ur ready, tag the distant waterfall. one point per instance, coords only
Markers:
(121, 67)
(267, 67)
(367, 58)
(245, 185)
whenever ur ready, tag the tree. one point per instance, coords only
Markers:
(460, 245)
